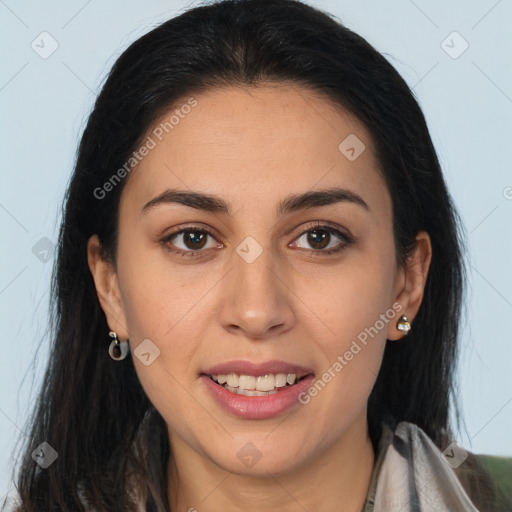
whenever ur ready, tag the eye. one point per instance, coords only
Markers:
(322, 238)
(190, 242)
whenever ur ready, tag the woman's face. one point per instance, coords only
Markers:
(288, 266)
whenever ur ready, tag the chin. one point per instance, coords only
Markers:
(247, 459)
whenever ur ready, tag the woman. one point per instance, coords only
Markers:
(258, 285)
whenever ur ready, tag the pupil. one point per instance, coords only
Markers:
(314, 238)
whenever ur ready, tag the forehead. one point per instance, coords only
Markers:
(256, 144)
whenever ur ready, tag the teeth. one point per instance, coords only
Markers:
(290, 378)
(265, 383)
(250, 392)
(262, 383)
(232, 380)
(248, 382)
(280, 380)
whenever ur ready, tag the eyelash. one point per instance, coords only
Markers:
(346, 240)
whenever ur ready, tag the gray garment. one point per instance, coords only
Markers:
(412, 475)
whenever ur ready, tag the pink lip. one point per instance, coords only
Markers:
(241, 367)
(257, 407)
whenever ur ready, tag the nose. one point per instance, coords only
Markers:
(257, 301)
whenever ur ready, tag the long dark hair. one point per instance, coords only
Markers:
(93, 411)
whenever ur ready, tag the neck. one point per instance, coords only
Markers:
(336, 479)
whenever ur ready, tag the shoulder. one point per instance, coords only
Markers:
(411, 473)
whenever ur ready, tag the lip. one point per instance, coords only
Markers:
(242, 367)
(257, 407)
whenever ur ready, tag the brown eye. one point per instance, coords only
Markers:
(190, 242)
(318, 238)
(194, 239)
(322, 239)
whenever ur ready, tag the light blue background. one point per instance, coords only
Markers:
(467, 102)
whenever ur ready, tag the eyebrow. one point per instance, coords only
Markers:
(215, 204)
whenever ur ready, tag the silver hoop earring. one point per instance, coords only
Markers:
(118, 350)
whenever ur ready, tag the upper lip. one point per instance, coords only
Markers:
(241, 367)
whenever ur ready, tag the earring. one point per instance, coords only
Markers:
(118, 350)
(404, 325)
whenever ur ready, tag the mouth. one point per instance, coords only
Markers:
(253, 404)
(256, 391)
(256, 385)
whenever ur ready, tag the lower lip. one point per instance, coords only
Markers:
(257, 407)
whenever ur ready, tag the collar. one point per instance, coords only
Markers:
(411, 475)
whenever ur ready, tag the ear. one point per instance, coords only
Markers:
(410, 283)
(107, 288)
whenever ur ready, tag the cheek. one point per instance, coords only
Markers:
(159, 296)
(171, 318)
(353, 304)
(173, 307)
(165, 308)
(349, 299)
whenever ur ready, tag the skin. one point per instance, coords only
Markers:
(253, 147)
